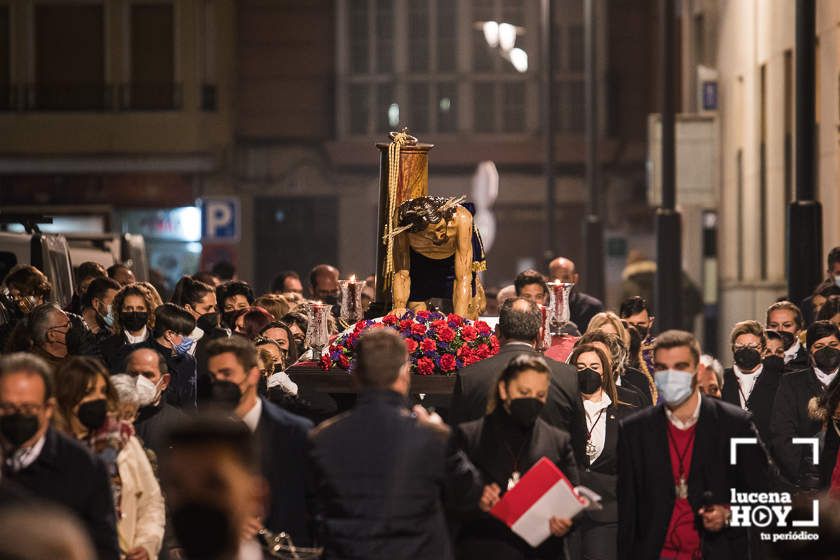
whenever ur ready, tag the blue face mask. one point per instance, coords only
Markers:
(673, 385)
(183, 348)
(108, 318)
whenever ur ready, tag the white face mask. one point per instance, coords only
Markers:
(837, 281)
(147, 392)
(674, 385)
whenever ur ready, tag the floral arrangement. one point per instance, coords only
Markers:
(438, 344)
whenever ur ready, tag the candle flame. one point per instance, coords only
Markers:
(353, 278)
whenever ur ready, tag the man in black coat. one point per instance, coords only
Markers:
(281, 435)
(751, 384)
(155, 416)
(173, 325)
(46, 463)
(791, 417)
(674, 472)
(380, 475)
(582, 306)
(518, 328)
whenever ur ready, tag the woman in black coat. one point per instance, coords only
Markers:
(603, 410)
(504, 445)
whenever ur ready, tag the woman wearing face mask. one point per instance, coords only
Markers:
(173, 326)
(603, 410)
(86, 407)
(199, 300)
(133, 322)
(504, 445)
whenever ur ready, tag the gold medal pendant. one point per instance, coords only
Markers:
(682, 489)
(513, 480)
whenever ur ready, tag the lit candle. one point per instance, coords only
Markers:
(351, 299)
(560, 310)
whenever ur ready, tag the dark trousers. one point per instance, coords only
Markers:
(598, 541)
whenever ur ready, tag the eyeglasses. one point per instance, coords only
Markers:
(7, 409)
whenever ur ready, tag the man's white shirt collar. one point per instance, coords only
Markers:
(252, 417)
(136, 339)
(825, 378)
(691, 421)
(24, 457)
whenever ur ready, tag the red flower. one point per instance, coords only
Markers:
(325, 363)
(343, 362)
(494, 344)
(411, 345)
(428, 345)
(453, 318)
(418, 329)
(468, 333)
(406, 324)
(423, 314)
(483, 328)
(440, 323)
(447, 363)
(483, 351)
(425, 366)
(389, 320)
(445, 334)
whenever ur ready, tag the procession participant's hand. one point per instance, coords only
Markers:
(251, 528)
(398, 311)
(559, 526)
(489, 497)
(714, 517)
(137, 553)
(425, 416)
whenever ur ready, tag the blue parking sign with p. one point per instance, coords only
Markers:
(220, 219)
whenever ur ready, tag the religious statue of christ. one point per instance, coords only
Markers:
(437, 254)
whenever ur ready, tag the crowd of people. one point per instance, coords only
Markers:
(137, 428)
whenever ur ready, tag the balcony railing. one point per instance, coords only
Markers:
(92, 97)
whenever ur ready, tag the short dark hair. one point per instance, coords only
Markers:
(171, 317)
(115, 268)
(242, 348)
(789, 306)
(786, 338)
(516, 324)
(820, 329)
(26, 362)
(833, 256)
(380, 353)
(233, 288)
(296, 318)
(633, 306)
(214, 431)
(224, 270)
(97, 290)
(517, 364)
(674, 339)
(207, 277)
(421, 212)
(278, 285)
(527, 277)
(89, 269)
(189, 290)
(829, 309)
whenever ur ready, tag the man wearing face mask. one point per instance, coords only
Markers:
(173, 326)
(233, 366)
(794, 396)
(97, 306)
(751, 383)
(49, 327)
(674, 475)
(156, 415)
(45, 462)
(323, 283)
(210, 473)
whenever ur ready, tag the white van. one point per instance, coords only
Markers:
(48, 252)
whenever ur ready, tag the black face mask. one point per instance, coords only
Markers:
(208, 322)
(589, 381)
(747, 358)
(134, 320)
(92, 414)
(204, 531)
(775, 363)
(225, 395)
(18, 428)
(525, 411)
(229, 318)
(827, 359)
(643, 331)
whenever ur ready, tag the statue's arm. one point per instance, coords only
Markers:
(462, 292)
(401, 286)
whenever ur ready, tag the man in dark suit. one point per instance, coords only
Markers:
(380, 475)
(281, 435)
(751, 384)
(46, 463)
(155, 416)
(674, 472)
(796, 390)
(518, 329)
(583, 306)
